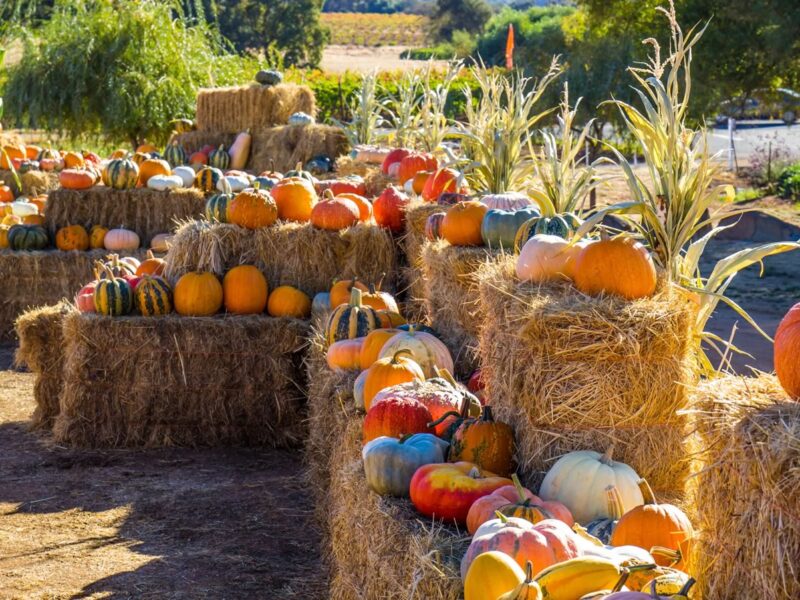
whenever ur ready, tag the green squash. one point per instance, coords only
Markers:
(121, 174)
(499, 227)
(27, 237)
(219, 158)
(113, 297)
(217, 207)
(175, 155)
(563, 226)
(389, 463)
(268, 77)
(299, 172)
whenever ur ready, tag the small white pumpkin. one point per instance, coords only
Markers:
(121, 239)
(130, 260)
(579, 480)
(321, 304)
(507, 201)
(301, 118)
(426, 349)
(161, 242)
(370, 154)
(186, 174)
(22, 208)
(162, 183)
(546, 258)
(237, 183)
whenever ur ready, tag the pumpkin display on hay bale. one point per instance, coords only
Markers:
(34, 183)
(176, 381)
(413, 240)
(574, 372)
(41, 350)
(745, 494)
(145, 211)
(278, 148)
(296, 254)
(43, 277)
(452, 302)
(254, 107)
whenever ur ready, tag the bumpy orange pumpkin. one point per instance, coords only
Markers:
(787, 351)
(620, 266)
(288, 301)
(198, 294)
(386, 372)
(461, 225)
(342, 290)
(485, 442)
(334, 213)
(152, 167)
(72, 237)
(245, 290)
(295, 198)
(252, 209)
(97, 237)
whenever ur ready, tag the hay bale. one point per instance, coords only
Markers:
(452, 299)
(34, 183)
(412, 241)
(375, 182)
(42, 351)
(347, 165)
(747, 491)
(382, 547)
(574, 372)
(42, 278)
(179, 381)
(254, 107)
(288, 253)
(147, 212)
(279, 148)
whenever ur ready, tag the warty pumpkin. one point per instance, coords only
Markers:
(198, 294)
(288, 301)
(620, 266)
(295, 198)
(485, 442)
(461, 225)
(787, 351)
(153, 296)
(72, 237)
(113, 296)
(395, 417)
(97, 237)
(334, 213)
(244, 290)
(252, 209)
(351, 320)
(390, 371)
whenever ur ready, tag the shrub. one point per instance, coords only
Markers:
(789, 182)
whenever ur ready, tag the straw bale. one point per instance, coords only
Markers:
(34, 183)
(417, 214)
(452, 299)
(375, 182)
(147, 212)
(347, 165)
(181, 381)
(42, 278)
(279, 148)
(288, 253)
(41, 350)
(747, 491)
(10, 138)
(254, 107)
(382, 547)
(574, 372)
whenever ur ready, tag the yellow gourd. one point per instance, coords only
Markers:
(491, 575)
(577, 577)
(670, 583)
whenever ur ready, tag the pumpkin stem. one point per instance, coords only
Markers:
(379, 285)
(622, 579)
(647, 492)
(501, 516)
(405, 437)
(150, 255)
(687, 586)
(675, 556)
(400, 352)
(474, 473)
(487, 416)
(447, 376)
(355, 297)
(447, 415)
(528, 571)
(519, 488)
(614, 502)
(299, 167)
(606, 458)
(328, 194)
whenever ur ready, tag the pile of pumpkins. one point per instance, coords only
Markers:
(125, 286)
(25, 216)
(23, 158)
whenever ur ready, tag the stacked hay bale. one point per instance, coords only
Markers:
(177, 381)
(34, 183)
(573, 372)
(412, 243)
(376, 547)
(746, 494)
(264, 111)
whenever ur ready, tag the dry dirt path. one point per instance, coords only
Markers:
(163, 524)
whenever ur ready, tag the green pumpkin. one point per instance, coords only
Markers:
(389, 463)
(352, 320)
(219, 158)
(563, 226)
(217, 207)
(113, 297)
(499, 227)
(121, 174)
(299, 172)
(175, 155)
(269, 77)
(27, 237)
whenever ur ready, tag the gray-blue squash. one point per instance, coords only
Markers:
(389, 463)
(499, 227)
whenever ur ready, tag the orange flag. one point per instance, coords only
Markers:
(510, 47)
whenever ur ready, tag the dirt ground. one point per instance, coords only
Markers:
(164, 524)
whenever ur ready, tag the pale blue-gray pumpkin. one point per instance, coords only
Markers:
(499, 227)
(389, 463)
(562, 225)
(358, 391)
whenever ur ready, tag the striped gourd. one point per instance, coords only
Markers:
(207, 178)
(175, 155)
(121, 174)
(139, 157)
(113, 296)
(217, 207)
(352, 320)
(219, 158)
(153, 296)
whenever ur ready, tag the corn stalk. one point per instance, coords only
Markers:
(367, 111)
(402, 107)
(498, 132)
(672, 211)
(430, 122)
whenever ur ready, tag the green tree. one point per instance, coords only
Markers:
(460, 15)
(117, 68)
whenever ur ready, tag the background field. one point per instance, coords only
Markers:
(373, 29)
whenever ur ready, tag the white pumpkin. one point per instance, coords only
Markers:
(358, 390)
(161, 242)
(165, 182)
(237, 183)
(547, 258)
(426, 349)
(186, 174)
(321, 304)
(22, 208)
(121, 239)
(507, 201)
(130, 260)
(579, 481)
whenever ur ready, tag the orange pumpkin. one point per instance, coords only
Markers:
(345, 354)
(620, 266)
(252, 209)
(461, 225)
(74, 160)
(72, 237)
(6, 193)
(389, 319)
(342, 290)
(3, 237)
(389, 371)
(787, 349)
(245, 290)
(373, 343)
(413, 163)
(33, 220)
(32, 152)
(10, 153)
(364, 205)
(442, 181)
(139, 158)
(40, 202)
(197, 294)
(76, 179)
(119, 153)
(146, 148)
(199, 159)
(288, 301)
(652, 524)
(419, 181)
(295, 198)
(97, 237)
(151, 265)
(152, 167)
(485, 442)
(334, 213)
(380, 300)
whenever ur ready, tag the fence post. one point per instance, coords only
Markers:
(731, 149)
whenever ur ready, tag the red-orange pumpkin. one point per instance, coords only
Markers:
(787, 352)
(334, 213)
(396, 417)
(443, 180)
(76, 179)
(415, 162)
